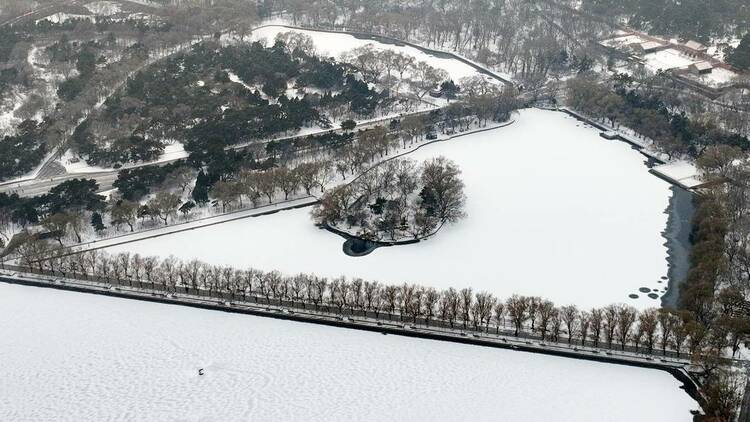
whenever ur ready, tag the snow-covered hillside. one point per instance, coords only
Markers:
(78, 357)
(553, 210)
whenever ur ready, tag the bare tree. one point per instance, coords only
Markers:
(570, 317)
(517, 308)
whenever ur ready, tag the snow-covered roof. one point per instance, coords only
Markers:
(650, 45)
(702, 66)
(695, 45)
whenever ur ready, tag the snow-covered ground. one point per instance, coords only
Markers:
(553, 210)
(683, 172)
(79, 357)
(8, 107)
(624, 41)
(103, 8)
(717, 78)
(667, 59)
(332, 44)
(62, 17)
(717, 48)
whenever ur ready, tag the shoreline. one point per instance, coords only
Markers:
(677, 234)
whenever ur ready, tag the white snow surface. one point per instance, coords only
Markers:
(717, 78)
(553, 210)
(334, 45)
(103, 8)
(684, 172)
(62, 17)
(8, 107)
(623, 41)
(667, 59)
(75, 164)
(79, 357)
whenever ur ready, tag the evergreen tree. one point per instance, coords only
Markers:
(200, 191)
(450, 89)
(96, 222)
(740, 56)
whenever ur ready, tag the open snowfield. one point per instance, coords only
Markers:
(667, 59)
(103, 8)
(717, 78)
(332, 44)
(78, 357)
(553, 210)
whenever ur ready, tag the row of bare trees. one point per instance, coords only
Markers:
(614, 326)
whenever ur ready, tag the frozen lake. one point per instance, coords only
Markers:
(78, 357)
(553, 210)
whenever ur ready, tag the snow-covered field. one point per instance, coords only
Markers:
(332, 44)
(553, 210)
(78, 357)
(717, 78)
(624, 41)
(667, 59)
(103, 8)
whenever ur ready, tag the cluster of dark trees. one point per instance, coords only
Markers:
(61, 209)
(9, 37)
(84, 56)
(70, 207)
(739, 57)
(190, 98)
(396, 199)
(20, 153)
(310, 143)
(134, 184)
(696, 19)
(169, 30)
(673, 133)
